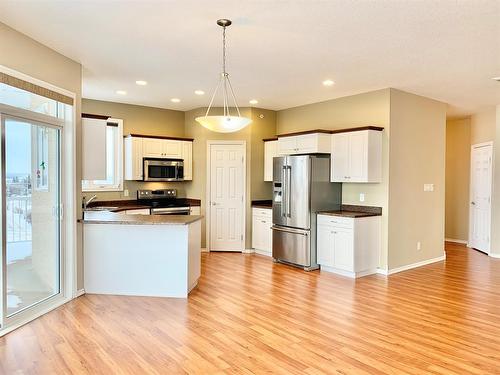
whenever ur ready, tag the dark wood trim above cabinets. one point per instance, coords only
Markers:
(97, 117)
(315, 131)
(324, 131)
(159, 137)
(360, 128)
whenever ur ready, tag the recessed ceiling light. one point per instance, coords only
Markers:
(496, 78)
(199, 92)
(141, 83)
(253, 101)
(121, 92)
(328, 82)
(175, 100)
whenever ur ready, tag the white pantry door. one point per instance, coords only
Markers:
(226, 196)
(480, 204)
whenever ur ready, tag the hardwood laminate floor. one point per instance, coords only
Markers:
(249, 315)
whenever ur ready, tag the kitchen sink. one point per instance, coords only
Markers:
(101, 208)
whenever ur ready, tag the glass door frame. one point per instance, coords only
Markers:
(67, 263)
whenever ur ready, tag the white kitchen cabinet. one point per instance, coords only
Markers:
(262, 236)
(195, 210)
(270, 151)
(348, 246)
(162, 148)
(356, 156)
(187, 155)
(133, 154)
(138, 211)
(304, 144)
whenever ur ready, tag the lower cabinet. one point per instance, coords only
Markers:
(348, 246)
(195, 210)
(262, 235)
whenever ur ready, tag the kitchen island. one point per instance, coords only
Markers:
(141, 255)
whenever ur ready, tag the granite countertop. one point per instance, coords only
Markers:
(268, 203)
(106, 217)
(354, 211)
(124, 205)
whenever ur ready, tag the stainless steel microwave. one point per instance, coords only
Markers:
(163, 169)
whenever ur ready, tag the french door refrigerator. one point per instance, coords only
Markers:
(301, 188)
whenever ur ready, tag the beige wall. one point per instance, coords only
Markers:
(372, 108)
(458, 142)
(417, 156)
(495, 200)
(483, 125)
(142, 120)
(25, 55)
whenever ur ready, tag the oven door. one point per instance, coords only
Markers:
(163, 170)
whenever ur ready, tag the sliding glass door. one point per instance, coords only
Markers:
(31, 214)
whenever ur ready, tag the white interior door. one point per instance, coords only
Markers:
(480, 204)
(226, 197)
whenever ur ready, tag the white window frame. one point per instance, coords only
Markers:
(90, 186)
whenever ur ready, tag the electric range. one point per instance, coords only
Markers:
(164, 202)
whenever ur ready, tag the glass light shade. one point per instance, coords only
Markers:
(223, 124)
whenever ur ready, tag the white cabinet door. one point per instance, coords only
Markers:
(340, 158)
(153, 147)
(287, 145)
(307, 143)
(343, 249)
(324, 245)
(187, 156)
(358, 157)
(133, 155)
(270, 151)
(257, 233)
(172, 149)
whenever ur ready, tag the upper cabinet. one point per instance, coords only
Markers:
(162, 148)
(356, 156)
(311, 143)
(137, 147)
(270, 151)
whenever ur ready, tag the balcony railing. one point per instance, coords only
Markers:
(18, 212)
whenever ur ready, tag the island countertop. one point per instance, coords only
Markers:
(106, 217)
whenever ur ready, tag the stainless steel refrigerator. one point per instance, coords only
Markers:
(301, 188)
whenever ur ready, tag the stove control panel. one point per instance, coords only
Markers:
(157, 194)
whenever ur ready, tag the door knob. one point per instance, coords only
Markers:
(473, 203)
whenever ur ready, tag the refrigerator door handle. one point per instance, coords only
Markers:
(284, 192)
(288, 193)
(290, 230)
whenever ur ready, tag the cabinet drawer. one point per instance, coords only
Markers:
(336, 221)
(265, 212)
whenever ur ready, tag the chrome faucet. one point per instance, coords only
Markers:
(86, 202)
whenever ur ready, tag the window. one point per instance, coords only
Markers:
(114, 160)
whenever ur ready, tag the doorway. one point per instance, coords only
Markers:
(480, 196)
(226, 192)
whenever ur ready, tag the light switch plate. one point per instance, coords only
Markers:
(125, 193)
(428, 187)
(361, 197)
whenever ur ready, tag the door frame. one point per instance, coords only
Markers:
(243, 145)
(472, 149)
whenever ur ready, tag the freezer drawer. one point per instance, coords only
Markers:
(292, 245)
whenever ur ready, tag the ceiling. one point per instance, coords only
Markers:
(279, 52)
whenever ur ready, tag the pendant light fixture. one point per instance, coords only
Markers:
(225, 123)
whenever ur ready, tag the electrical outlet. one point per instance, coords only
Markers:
(419, 246)
(125, 193)
(428, 187)
(361, 197)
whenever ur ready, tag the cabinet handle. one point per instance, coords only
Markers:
(263, 221)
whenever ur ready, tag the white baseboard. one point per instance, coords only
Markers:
(350, 274)
(497, 256)
(80, 292)
(204, 250)
(263, 252)
(454, 240)
(411, 266)
(248, 251)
